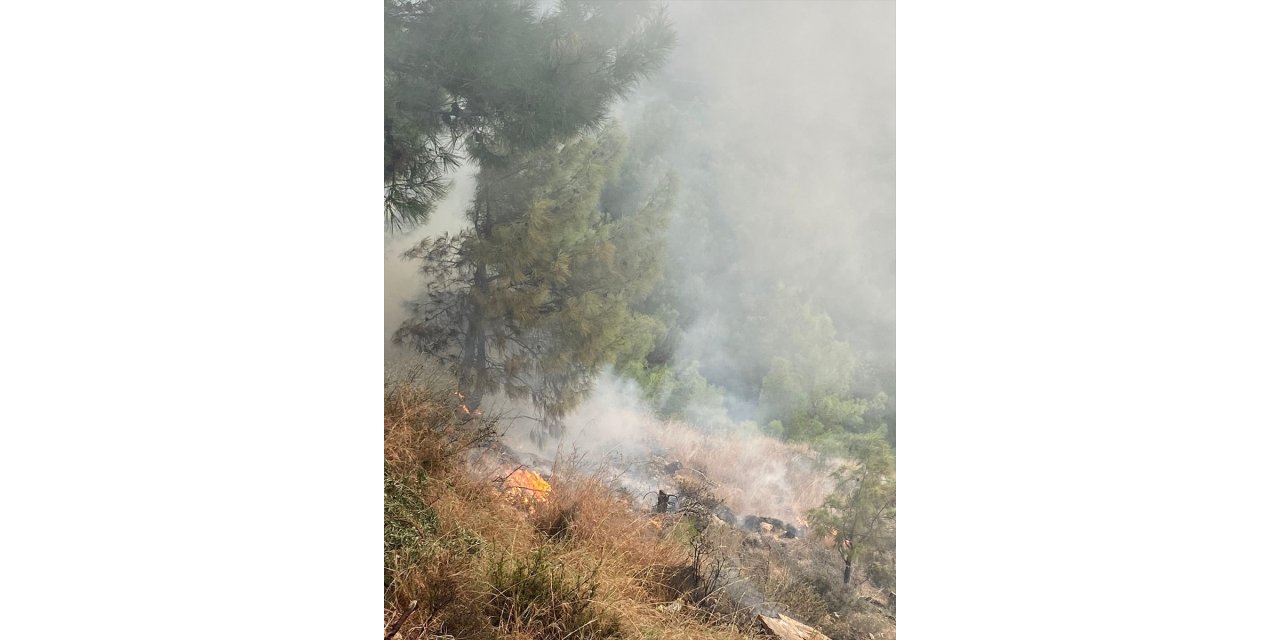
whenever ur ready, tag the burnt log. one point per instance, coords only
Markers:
(664, 501)
(772, 525)
(788, 628)
(726, 514)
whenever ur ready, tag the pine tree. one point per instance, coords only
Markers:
(535, 297)
(490, 80)
(861, 513)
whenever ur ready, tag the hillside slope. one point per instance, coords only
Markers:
(479, 546)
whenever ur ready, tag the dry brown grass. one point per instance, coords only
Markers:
(753, 474)
(481, 564)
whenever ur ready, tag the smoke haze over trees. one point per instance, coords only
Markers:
(783, 242)
(659, 236)
(750, 178)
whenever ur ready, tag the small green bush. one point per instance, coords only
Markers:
(407, 520)
(408, 527)
(537, 596)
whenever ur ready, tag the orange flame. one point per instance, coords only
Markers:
(527, 486)
(462, 406)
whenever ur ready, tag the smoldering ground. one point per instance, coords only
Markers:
(615, 428)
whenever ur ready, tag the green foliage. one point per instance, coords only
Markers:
(408, 527)
(536, 297)
(860, 514)
(784, 326)
(724, 304)
(680, 394)
(494, 79)
(692, 397)
(783, 394)
(814, 389)
(684, 531)
(774, 429)
(407, 521)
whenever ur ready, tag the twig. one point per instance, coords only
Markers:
(395, 627)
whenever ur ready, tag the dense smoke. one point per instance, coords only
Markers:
(794, 110)
(616, 430)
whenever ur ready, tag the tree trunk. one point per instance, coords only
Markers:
(473, 374)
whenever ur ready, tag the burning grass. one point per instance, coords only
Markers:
(469, 553)
(526, 487)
